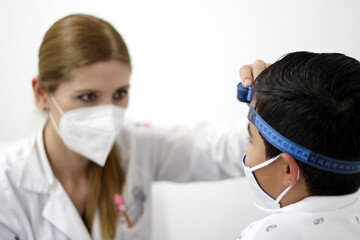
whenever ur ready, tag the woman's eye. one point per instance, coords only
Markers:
(250, 140)
(120, 94)
(89, 97)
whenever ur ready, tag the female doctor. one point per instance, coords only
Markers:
(60, 183)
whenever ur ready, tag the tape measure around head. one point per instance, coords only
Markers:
(300, 153)
(244, 94)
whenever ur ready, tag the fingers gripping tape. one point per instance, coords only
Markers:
(244, 94)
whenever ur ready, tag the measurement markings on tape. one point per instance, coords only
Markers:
(300, 153)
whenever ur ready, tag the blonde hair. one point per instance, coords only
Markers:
(72, 42)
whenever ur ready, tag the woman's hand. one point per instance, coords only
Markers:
(248, 73)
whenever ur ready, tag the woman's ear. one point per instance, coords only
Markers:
(291, 170)
(40, 95)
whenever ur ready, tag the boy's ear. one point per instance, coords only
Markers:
(40, 94)
(291, 170)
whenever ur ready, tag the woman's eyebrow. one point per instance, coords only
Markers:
(124, 87)
(86, 90)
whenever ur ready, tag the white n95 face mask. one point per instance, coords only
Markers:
(265, 198)
(90, 131)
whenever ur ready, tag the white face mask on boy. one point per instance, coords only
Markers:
(269, 201)
(90, 131)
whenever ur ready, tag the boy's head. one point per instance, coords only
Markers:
(314, 101)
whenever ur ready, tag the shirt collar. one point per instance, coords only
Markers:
(323, 203)
(37, 174)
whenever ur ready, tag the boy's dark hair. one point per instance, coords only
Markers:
(314, 100)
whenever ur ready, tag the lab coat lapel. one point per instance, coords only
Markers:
(37, 176)
(61, 212)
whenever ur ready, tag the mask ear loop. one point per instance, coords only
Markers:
(278, 199)
(267, 209)
(56, 104)
(267, 162)
(51, 116)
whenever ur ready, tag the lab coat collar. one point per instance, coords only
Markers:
(37, 176)
(61, 212)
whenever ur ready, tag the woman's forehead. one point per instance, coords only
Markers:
(101, 75)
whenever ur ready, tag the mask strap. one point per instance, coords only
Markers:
(51, 116)
(267, 209)
(54, 123)
(56, 104)
(278, 199)
(267, 162)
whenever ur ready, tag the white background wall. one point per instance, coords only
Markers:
(186, 55)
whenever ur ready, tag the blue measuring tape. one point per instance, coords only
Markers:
(300, 153)
(244, 94)
(285, 145)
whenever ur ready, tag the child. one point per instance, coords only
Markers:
(304, 156)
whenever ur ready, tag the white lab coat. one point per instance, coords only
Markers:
(34, 205)
(314, 218)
